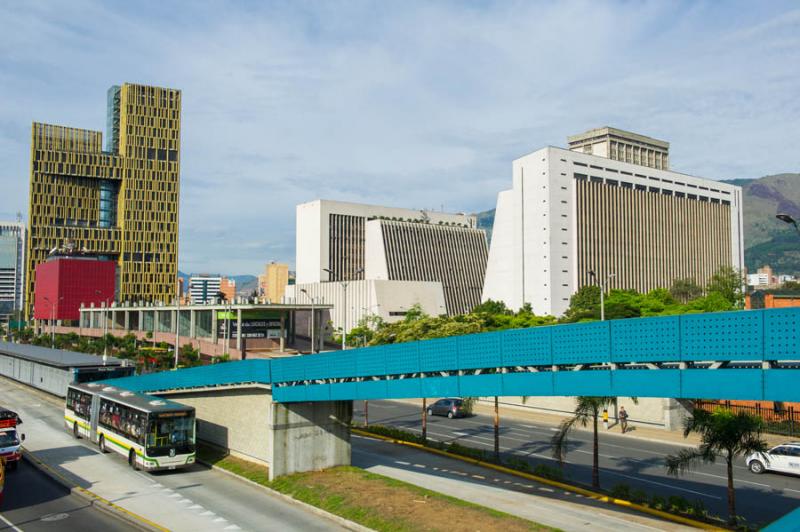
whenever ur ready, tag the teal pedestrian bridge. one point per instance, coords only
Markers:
(753, 354)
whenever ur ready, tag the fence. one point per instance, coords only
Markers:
(777, 419)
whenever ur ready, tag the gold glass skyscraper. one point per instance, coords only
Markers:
(121, 201)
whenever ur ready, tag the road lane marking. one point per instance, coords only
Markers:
(10, 524)
(661, 484)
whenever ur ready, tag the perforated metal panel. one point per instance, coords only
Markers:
(646, 383)
(527, 347)
(581, 342)
(200, 377)
(722, 384)
(288, 369)
(370, 361)
(402, 358)
(645, 339)
(440, 354)
(582, 383)
(481, 385)
(722, 336)
(527, 384)
(440, 387)
(341, 364)
(480, 350)
(782, 334)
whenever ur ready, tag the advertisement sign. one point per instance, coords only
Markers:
(251, 328)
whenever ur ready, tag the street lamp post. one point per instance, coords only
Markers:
(105, 326)
(602, 283)
(313, 346)
(789, 220)
(344, 304)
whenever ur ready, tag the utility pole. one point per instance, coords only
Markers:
(344, 303)
(177, 326)
(602, 284)
(313, 345)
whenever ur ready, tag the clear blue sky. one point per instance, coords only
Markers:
(407, 104)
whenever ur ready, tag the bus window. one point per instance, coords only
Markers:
(172, 430)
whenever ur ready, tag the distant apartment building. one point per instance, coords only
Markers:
(204, 288)
(766, 278)
(574, 218)
(272, 283)
(228, 288)
(12, 268)
(373, 260)
(118, 200)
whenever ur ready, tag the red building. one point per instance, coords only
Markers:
(63, 283)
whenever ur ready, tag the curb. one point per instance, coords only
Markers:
(104, 505)
(346, 523)
(575, 489)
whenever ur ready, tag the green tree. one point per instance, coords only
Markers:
(685, 290)
(584, 304)
(722, 433)
(492, 307)
(587, 409)
(728, 283)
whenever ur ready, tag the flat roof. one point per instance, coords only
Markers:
(214, 306)
(615, 132)
(55, 357)
(137, 400)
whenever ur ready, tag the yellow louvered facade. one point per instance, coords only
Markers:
(121, 202)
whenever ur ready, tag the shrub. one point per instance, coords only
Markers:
(639, 496)
(552, 473)
(469, 452)
(658, 502)
(697, 508)
(621, 491)
(518, 464)
(678, 503)
(468, 404)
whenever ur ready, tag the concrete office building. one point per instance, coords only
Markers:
(120, 202)
(622, 146)
(388, 258)
(12, 268)
(204, 288)
(636, 227)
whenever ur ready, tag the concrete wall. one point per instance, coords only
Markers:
(287, 438)
(234, 419)
(309, 436)
(48, 378)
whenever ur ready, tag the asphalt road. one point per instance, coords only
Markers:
(203, 495)
(34, 502)
(637, 463)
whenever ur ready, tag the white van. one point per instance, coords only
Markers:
(784, 458)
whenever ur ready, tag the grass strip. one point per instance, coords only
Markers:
(375, 501)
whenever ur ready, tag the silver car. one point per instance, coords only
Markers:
(784, 458)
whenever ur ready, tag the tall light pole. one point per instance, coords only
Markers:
(602, 283)
(52, 321)
(344, 303)
(313, 345)
(177, 325)
(105, 326)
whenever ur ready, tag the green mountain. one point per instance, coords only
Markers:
(766, 239)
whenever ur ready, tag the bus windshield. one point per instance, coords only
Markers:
(172, 430)
(8, 438)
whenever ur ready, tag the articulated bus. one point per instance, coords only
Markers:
(152, 433)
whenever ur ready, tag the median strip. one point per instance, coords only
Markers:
(542, 480)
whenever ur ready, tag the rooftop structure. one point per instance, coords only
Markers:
(622, 146)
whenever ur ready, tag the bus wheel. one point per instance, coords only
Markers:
(102, 444)
(132, 460)
(75, 431)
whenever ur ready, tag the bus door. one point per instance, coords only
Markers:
(94, 414)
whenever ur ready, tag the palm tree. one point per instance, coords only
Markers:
(722, 433)
(587, 409)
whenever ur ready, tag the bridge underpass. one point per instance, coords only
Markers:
(752, 355)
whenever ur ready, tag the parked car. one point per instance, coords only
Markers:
(447, 407)
(784, 458)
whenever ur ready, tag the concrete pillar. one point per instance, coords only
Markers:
(238, 329)
(283, 333)
(126, 320)
(214, 326)
(675, 412)
(140, 326)
(192, 323)
(309, 436)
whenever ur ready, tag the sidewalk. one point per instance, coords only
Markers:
(639, 432)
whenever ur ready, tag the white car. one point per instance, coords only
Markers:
(784, 458)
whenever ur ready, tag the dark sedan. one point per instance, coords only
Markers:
(447, 407)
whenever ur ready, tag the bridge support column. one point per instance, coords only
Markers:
(309, 436)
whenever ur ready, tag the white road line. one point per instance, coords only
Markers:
(460, 433)
(195, 507)
(401, 462)
(10, 524)
(610, 472)
(208, 513)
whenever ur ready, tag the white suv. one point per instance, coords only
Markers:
(784, 458)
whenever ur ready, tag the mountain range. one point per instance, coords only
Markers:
(766, 239)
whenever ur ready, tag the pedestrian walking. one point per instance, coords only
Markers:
(605, 418)
(623, 419)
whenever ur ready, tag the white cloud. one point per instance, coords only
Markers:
(410, 105)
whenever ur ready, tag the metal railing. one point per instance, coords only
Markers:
(778, 419)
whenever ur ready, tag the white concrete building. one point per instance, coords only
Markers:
(204, 288)
(570, 213)
(12, 267)
(389, 258)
